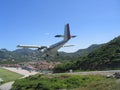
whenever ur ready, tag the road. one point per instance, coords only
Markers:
(104, 73)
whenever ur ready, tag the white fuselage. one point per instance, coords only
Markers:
(52, 50)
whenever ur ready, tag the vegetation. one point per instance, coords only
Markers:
(95, 57)
(21, 55)
(7, 75)
(69, 82)
(105, 57)
(83, 52)
(16, 56)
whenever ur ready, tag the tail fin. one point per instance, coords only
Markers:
(67, 35)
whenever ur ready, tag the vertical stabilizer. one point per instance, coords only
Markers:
(67, 35)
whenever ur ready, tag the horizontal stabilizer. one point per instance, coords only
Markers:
(59, 35)
(64, 36)
(68, 45)
(73, 36)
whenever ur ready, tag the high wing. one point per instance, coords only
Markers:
(52, 49)
(32, 46)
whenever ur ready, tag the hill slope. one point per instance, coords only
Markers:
(29, 54)
(105, 57)
(83, 52)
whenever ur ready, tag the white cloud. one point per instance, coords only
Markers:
(47, 33)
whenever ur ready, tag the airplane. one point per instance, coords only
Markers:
(53, 49)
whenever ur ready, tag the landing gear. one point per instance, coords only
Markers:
(47, 55)
(57, 54)
(39, 49)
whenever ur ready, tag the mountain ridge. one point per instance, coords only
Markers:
(29, 54)
(107, 56)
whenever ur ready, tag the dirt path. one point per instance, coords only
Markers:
(8, 86)
(20, 71)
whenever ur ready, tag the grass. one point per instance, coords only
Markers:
(66, 82)
(7, 75)
(106, 84)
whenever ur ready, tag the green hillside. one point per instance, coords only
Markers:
(105, 57)
(83, 52)
(20, 55)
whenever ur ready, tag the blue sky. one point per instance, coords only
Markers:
(37, 21)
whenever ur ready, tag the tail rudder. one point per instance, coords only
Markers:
(67, 35)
